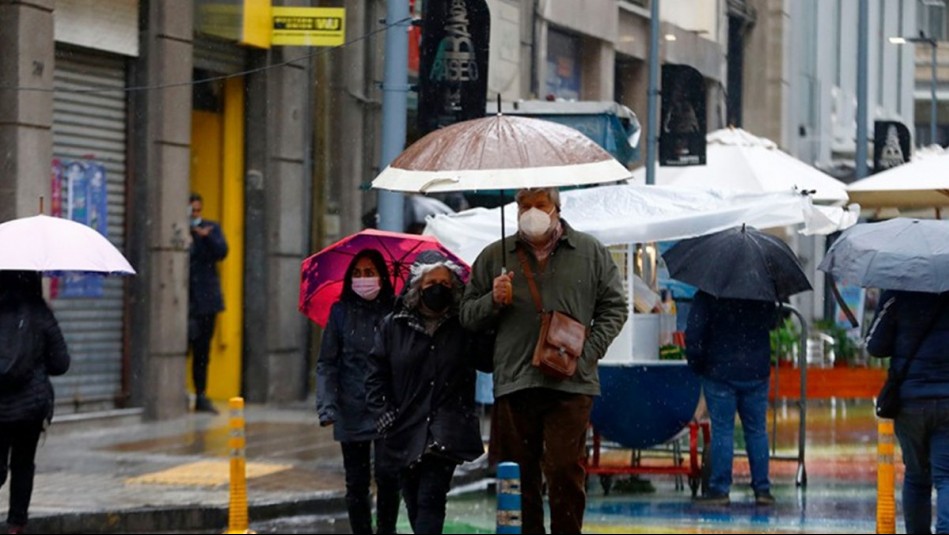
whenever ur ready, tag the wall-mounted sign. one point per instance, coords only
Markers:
(308, 26)
(891, 145)
(453, 67)
(682, 128)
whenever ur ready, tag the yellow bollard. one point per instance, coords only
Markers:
(237, 521)
(886, 478)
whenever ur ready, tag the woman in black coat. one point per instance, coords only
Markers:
(341, 372)
(31, 349)
(421, 388)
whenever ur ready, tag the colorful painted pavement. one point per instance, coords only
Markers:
(840, 495)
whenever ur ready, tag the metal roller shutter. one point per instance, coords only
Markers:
(93, 125)
(217, 56)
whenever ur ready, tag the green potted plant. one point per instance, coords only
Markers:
(785, 343)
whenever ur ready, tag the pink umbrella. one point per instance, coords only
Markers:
(322, 274)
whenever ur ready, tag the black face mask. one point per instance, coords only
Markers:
(437, 297)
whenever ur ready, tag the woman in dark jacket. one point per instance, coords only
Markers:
(421, 388)
(31, 350)
(341, 372)
(917, 324)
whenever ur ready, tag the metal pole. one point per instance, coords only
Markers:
(932, 94)
(863, 24)
(395, 86)
(652, 112)
(801, 479)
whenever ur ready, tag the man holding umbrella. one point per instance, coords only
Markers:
(742, 275)
(542, 420)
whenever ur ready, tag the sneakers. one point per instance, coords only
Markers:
(764, 498)
(712, 499)
(202, 404)
(13, 528)
(761, 498)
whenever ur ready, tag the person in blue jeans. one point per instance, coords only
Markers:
(908, 322)
(728, 346)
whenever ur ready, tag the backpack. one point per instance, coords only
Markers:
(16, 355)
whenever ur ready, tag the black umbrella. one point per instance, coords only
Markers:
(738, 263)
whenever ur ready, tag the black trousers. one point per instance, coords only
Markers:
(18, 442)
(200, 332)
(359, 470)
(425, 487)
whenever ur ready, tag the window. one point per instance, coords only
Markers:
(932, 19)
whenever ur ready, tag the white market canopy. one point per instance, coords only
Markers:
(630, 213)
(921, 183)
(739, 160)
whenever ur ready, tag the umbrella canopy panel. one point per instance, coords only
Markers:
(921, 183)
(55, 245)
(322, 274)
(500, 152)
(738, 160)
(738, 263)
(897, 254)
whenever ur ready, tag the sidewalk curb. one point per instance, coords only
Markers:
(197, 518)
(203, 518)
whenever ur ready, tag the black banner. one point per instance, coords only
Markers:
(891, 145)
(453, 62)
(682, 125)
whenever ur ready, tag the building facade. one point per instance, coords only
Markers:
(799, 87)
(114, 111)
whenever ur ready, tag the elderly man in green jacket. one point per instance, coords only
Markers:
(541, 420)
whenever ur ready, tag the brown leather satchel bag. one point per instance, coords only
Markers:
(561, 337)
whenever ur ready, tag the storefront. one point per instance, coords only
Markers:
(89, 184)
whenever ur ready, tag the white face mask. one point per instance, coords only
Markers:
(367, 287)
(534, 223)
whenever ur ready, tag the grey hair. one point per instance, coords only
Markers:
(413, 293)
(552, 193)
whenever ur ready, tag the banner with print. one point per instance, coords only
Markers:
(891, 145)
(683, 124)
(79, 193)
(453, 63)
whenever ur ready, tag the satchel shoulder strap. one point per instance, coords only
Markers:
(529, 274)
(943, 302)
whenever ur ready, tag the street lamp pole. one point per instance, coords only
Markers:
(932, 92)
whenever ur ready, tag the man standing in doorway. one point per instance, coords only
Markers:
(205, 301)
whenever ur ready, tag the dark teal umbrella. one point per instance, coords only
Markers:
(738, 263)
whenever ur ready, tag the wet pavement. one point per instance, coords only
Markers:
(840, 495)
(125, 475)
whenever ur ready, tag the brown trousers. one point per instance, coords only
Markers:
(544, 431)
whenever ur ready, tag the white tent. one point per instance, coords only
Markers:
(738, 160)
(623, 214)
(921, 183)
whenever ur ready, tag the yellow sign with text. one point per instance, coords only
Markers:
(308, 26)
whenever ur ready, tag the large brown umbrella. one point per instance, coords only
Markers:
(500, 152)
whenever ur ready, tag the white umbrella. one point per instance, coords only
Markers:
(738, 160)
(921, 183)
(53, 245)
